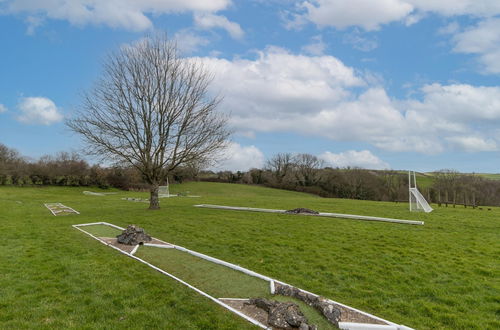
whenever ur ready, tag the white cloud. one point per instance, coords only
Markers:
(38, 110)
(413, 18)
(370, 15)
(473, 143)
(359, 42)
(367, 14)
(240, 158)
(276, 79)
(480, 8)
(3, 108)
(320, 96)
(188, 41)
(33, 23)
(460, 103)
(483, 40)
(316, 47)
(127, 14)
(353, 158)
(210, 21)
(450, 28)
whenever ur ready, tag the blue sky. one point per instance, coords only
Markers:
(402, 84)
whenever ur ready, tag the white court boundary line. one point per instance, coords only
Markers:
(321, 214)
(345, 325)
(60, 205)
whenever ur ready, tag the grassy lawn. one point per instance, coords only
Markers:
(445, 274)
(491, 176)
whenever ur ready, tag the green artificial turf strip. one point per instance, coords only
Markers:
(216, 280)
(443, 275)
(102, 230)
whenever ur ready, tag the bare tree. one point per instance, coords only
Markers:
(307, 169)
(280, 165)
(151, 109)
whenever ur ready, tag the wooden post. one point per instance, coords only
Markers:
(454, 198)
(465, 199)
(446, 196)
(439, 197)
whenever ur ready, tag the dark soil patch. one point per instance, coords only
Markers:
(157, 241)
(301, 210)
(114, 242)
(333, 312)
(252, 311)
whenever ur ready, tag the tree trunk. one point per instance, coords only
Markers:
(154, 202)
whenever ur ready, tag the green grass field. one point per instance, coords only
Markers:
(491, 176)
(444, 275)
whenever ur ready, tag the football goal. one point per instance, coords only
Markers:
(417, 201)
(163, 191)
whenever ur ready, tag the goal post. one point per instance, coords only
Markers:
(417, 202)
(164, 191)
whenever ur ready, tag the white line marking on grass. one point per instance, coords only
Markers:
(111, 225)
(321, 214)
(134, 250)
(89, 224)
(271, 287)
(53, 208)
(366, 326)
(163, 246)
(224, 263)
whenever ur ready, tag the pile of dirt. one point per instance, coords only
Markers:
(135, 199)
(302, 210)
(133, 235)
(282, 315)
(330, 311)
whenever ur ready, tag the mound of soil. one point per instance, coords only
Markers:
(282, 315)
(133, 235)
(333, 312)
(302, 210)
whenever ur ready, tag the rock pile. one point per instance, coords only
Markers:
(302, 210)
(329, 310)
(133, 235)
(282, 315)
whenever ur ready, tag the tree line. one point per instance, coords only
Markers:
(300, 172)
(62, 169)
(307, 173)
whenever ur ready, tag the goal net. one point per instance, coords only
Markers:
(417, 201)
(163, 191)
